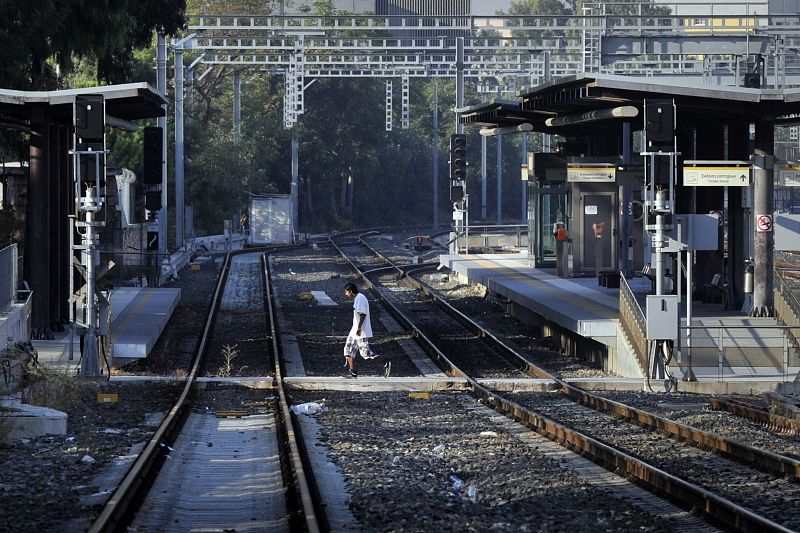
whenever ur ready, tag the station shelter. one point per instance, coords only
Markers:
(594, 184)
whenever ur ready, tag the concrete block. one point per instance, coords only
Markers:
(29, 421)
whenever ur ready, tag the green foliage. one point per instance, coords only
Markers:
(40, 41)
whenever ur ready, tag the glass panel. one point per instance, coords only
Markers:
(552, 210)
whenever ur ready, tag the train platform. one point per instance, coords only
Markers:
(753, 349)
(138, 316)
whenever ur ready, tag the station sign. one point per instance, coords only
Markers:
(789, 176)
(603, 174)
(716, 174)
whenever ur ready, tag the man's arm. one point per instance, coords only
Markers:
(361, 318)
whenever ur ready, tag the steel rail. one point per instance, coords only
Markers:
(128, 495)
(120, 507)
(426, 344)
(741, 452)
(691, 494)
(755, 414)
(310, 506)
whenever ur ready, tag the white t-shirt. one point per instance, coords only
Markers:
(361, 305)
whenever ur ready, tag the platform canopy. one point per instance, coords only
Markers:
(579, 100)
(130, 101)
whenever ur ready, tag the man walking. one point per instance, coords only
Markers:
(360, 333)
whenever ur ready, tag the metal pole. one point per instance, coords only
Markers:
(295, 180)
(237, 106)
(459, 80)
(161, 81)
(524, 184)
(499, 198)
(689, 375)
(626, 248)
(484, 181)
(484, 177)
(89, 359)
(188, 73)
(435, 153)
(179, 207)
(460, 208)
(764, 239)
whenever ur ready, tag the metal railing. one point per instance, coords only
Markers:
(133, 268)
(8, 276)
(723, 340)
(494, 236)
(633, 321)
(791, 301)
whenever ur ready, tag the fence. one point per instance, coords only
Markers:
(494, 236)
(135, 268)
(8, 276)
(633, 322)
(773, 347)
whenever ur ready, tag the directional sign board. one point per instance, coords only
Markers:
(789, 176)
(716, 174)
(592, 174)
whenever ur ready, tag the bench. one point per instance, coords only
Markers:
(609, 279)
(650, 273)
(719, 289)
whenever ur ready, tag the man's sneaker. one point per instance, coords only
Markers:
(387, 369)
(352, 375)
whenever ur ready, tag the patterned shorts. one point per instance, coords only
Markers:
(356, 345)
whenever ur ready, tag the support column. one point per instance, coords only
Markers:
(484, 181)
(161, 81)
(66, 201)
(37, 225)
(179, 207)
(626, 248)
(763, 297)
(435, 153)
(524, 184)
(295, 180)
(56, 258)
(237, 106)
(499, 198)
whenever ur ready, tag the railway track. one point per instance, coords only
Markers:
(190, 439)
(224, 457)
(449, 350)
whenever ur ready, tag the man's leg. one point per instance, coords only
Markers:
(350, 350)
(367, 353)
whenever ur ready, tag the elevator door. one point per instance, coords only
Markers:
(598, 232)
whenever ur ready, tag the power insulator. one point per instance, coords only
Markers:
(153, 155)
(458, 157)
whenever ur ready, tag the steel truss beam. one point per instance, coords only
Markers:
(690, 42)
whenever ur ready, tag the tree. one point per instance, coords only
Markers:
(40, 41)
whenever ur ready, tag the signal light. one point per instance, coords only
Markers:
(90, 117)
(456, 193)
(152, 200)
(458, 157)
(659, 123)
(153, 155)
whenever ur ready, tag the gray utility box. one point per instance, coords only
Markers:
(662, 317)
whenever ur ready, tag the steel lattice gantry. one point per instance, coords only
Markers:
(708, 44)
(711, 45)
